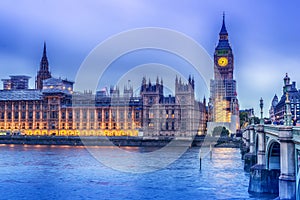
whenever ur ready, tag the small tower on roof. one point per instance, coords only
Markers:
(43, 72)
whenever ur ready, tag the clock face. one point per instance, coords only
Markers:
(223, 61)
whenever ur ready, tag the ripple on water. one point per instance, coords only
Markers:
(35, 172)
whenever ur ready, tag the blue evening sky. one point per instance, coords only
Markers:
(264, 35)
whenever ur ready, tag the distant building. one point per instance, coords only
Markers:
(272, 115)
(19, 82)
(277, 109)
(43, 73)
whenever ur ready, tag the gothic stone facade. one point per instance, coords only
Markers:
(57, 110)
(53, 108)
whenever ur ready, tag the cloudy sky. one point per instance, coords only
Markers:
(264, 35)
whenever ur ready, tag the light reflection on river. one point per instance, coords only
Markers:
(64, 172)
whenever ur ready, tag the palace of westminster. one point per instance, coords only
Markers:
(53, 108)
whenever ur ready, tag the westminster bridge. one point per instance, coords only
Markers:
(272, 156)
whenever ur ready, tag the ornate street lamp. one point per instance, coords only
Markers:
(252, 116)
(261, 110)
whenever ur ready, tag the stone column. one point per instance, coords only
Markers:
(247, 138)
(261, 157)
(252, 139)
(287, 180)
(245, 146)
(250, 157)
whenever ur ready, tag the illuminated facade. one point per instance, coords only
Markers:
(55, 109)
(223, 104)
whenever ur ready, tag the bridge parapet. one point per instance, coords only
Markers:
(272, 130)
(296, 133)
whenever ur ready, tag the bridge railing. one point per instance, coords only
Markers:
(271, 129)
(296, 131)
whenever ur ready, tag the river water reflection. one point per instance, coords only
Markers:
(64, 172)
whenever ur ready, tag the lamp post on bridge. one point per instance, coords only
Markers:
(261, 110)
(287, 114)
(252, 116)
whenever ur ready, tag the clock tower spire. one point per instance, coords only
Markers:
(223, 56)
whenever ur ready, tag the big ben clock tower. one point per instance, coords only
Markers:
(223, 57)
(223, 100)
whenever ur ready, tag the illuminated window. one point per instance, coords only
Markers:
(151, 125)
(151, 114)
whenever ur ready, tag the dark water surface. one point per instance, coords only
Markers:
(63, 172)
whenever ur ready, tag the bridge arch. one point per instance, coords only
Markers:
(273, 154)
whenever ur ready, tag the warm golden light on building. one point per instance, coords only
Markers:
(222, 113)
(53, 108)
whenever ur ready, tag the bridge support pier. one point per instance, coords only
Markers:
(287, 179)
(245, 146)
(261, 154)
(250, 157)
(262, 180)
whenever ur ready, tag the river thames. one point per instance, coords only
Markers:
(67, 172)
